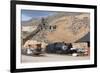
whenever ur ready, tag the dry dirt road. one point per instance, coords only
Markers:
(51, 57)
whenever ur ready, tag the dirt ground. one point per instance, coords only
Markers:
(51, 57)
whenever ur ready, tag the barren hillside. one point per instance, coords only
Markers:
(69, 28)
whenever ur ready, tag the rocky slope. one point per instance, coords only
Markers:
(69, 27)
